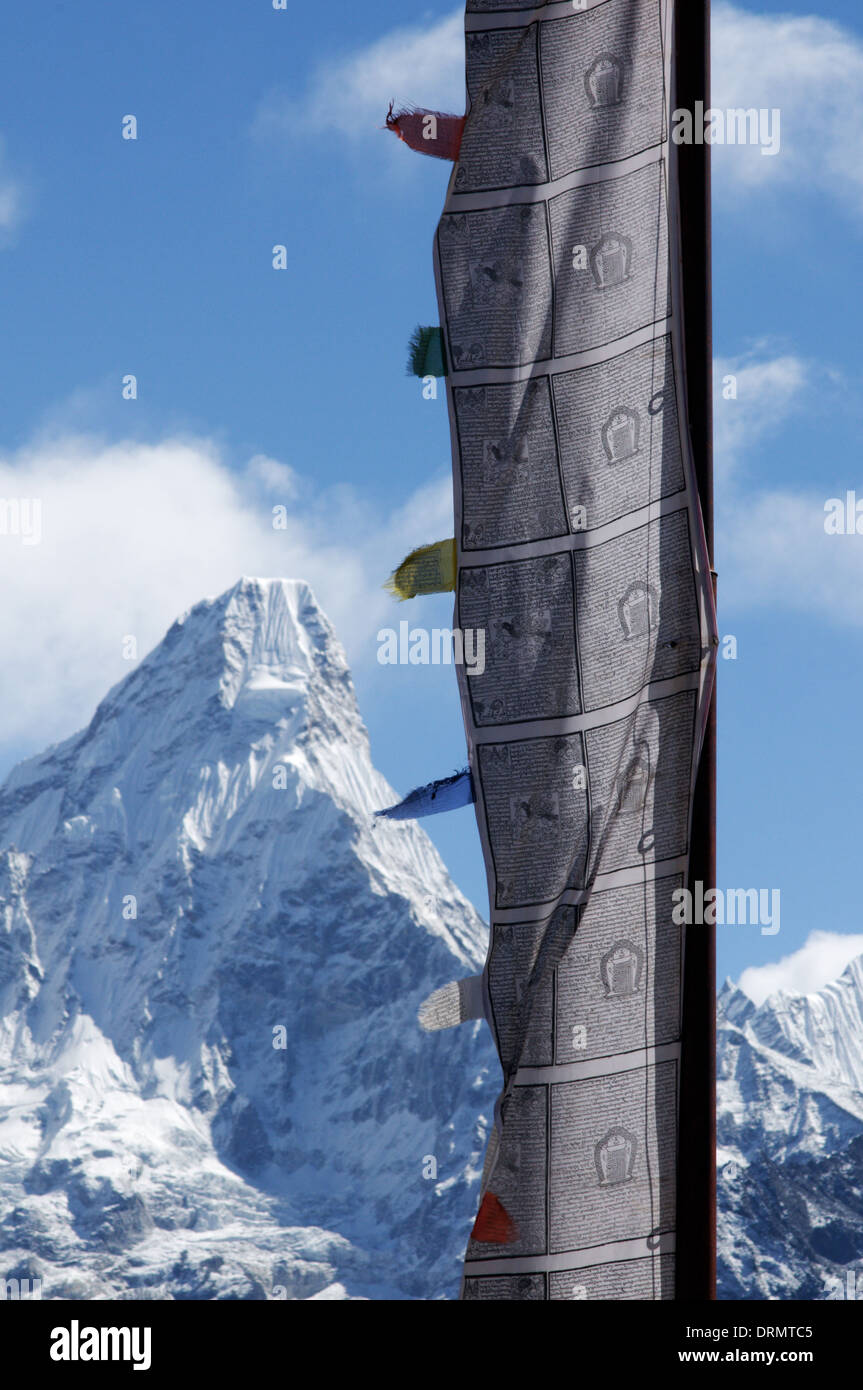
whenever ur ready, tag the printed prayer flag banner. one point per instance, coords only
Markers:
(581, 553)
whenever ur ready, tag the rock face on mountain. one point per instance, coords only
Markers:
(212, 1080)
(791, 1142)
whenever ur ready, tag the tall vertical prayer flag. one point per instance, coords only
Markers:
(581, 553)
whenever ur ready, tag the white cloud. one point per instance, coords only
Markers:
(271, 474)
(776, 552)
(132, 534)
(820, 961)
(812, 70)
(421, 64)
(772, 548)
(769, 390)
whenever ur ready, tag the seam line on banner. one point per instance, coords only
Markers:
(554, 366)
(559, 1073)
(594, 719)
(614, 530)
(488, 198)
(522, 19)
(612, 878)
(640, 1248)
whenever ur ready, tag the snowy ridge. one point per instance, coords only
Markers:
(791, 1140)
(196, 869)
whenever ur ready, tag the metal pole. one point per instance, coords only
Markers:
(696, 1189)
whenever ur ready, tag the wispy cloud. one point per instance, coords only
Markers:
(819, 961)
(12, 199)
(776, 553)
(421, 63)
(772, 546)
(811, 69)
(768, 390)
(131, 534)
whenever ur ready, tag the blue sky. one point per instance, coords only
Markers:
(258, 387)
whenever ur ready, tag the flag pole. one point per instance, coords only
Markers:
(696, 1194)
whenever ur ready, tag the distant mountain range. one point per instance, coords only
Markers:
(791, 1142)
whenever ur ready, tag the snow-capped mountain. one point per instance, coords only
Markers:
(791, 1142)
(212, 1079)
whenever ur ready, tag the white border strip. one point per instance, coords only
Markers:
(645, 1247)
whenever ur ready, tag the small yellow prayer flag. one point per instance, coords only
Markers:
(428, 570)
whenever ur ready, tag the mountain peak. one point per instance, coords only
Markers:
(261, 635)
(253, 671)
(733, 1003)
(263, 651)
(273, 638)
(790, 1130)
(211, 970)
(853, 974)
